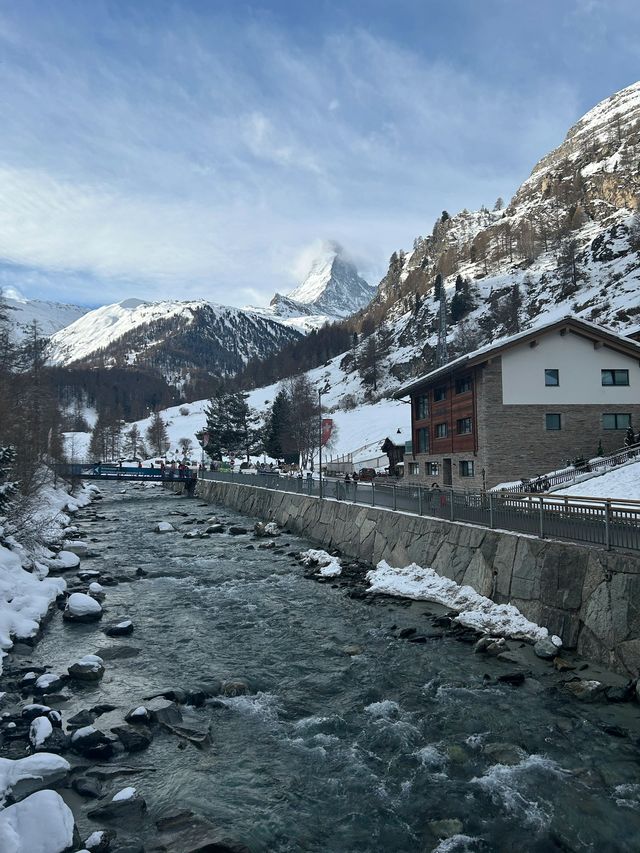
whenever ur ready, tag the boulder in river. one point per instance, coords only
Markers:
(269, 529)
(88, 668)
(42, 822)
(39, 732)
(86, 787)
(545, 649)
(49, 682)
(119, 629)
(92, 743)
(585, 691)
(138, 715)
(164, 527)
(62, 562)
(26, 775)
(215, 528)
(125, 805)
(190, 833)
(77, 547)
(82, 608)
(237, 531)
(100, 841)
(133, 739)
(235, 687)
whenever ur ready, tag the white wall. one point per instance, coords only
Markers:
(579, 365)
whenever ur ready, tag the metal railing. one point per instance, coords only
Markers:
(598, 463)
(605, 523)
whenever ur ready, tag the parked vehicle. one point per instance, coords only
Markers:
(367, 475)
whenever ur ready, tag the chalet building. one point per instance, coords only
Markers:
(523, 406)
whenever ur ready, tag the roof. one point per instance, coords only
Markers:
(585, 328)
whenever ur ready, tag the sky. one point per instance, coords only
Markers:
(203, 148)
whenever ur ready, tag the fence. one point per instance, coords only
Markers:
(605, 523)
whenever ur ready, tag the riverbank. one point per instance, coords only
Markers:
(586, 596)
(298, 710)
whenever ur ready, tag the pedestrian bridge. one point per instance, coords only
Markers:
(114, 471)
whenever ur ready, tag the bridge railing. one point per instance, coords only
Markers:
(595, 521)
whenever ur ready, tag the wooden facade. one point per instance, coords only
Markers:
(446, 410)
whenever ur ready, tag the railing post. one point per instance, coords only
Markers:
(541, 517)
(419, 500)
(607, 525)
(373, 493)
(491, 510)
(395, 499)
(451, 507)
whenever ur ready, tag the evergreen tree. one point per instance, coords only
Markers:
(437, 288)
(228, 425)
(133, 446)
(462, 301)
(277, 441)
(157, 435)
(569, 271)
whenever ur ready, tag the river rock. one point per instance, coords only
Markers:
(215, 528)
(545, 649)
(39, 732)
(490, 646)
(64, 561)
(30, 712)
(81, 719)
(50, 682)
(164, 527)
(28, 680)
(125, 805)
(119, 629)
(190, 833)
(88, 668)
(88, 574)
(26, 775)
(92, 743)
(86, 787)
(270, 529)
(585, 691)
(100, 841)
(237, 531)
(192, 534)
(138, 715)
(77, 547)
(82, 608)
(619, 692)
(133, 739)
(42, 823)
(235, 687)
(164, 711)
(503, 753)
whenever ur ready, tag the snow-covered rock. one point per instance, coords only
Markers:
(39, 731)
(43, 823)
(82, 608)
(63, 562)
(49, 682)
(164, 527)
(76, 546)
(23, 776)
(88, 668)
(329, 566)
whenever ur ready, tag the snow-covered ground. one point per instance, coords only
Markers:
(26, 593)
(622, 482)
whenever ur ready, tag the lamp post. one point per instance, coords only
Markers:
(320, 442)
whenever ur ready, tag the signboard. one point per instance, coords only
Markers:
(327, 429)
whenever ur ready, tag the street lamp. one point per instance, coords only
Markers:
(320, 441)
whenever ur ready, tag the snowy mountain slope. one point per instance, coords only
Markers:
(177, 338)
(50, 316)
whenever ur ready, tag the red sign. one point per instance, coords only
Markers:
(327, 429)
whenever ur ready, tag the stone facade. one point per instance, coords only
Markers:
(590, 598)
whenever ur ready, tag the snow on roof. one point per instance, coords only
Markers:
(504, 343)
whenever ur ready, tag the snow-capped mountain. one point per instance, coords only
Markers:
(49, 316)
(331, 290)
(179, 339)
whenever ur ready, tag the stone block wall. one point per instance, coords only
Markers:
(589, 597)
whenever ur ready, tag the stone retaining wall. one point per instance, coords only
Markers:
(589, 597)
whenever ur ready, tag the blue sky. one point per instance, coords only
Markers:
(201, 149)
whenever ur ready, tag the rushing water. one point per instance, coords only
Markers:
(334, 752)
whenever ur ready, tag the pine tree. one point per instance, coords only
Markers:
(437, 288)
(462, 301)
(569, 271)
(157, 435)
(276, 436)
(228, 424)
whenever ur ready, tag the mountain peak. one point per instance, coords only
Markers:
(332, 286)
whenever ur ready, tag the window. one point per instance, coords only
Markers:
(616, 421)
(463, 426)
(439, 394)
(463, 385)
(422, 407)
(467, 468)
(552, 422)
(552, 376)
(441, 430)
(615, 377)
(433, 468)
(423, 440)
(414, 468)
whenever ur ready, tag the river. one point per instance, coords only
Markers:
(402, 747)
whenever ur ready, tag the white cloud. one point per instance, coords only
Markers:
(204, 159)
